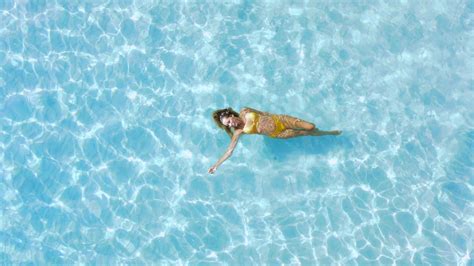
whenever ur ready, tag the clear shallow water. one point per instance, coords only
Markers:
(106, 136)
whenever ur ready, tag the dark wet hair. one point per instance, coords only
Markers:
(221, 113)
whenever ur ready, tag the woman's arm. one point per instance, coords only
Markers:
(229, 151)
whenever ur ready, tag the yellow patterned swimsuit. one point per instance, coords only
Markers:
(252, 120)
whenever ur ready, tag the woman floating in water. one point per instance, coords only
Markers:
(251, 121)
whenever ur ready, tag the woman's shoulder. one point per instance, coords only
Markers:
(248, 109)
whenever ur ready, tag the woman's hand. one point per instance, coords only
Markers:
(212, 169)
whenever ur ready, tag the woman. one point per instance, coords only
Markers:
(251, 121)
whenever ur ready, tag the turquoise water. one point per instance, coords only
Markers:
(106, 134)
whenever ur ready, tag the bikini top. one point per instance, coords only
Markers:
(251, 122)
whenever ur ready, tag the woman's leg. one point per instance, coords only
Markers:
(296, 123)
(323, 133)
(291, 133)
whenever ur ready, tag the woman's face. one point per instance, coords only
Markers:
(230, 121)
